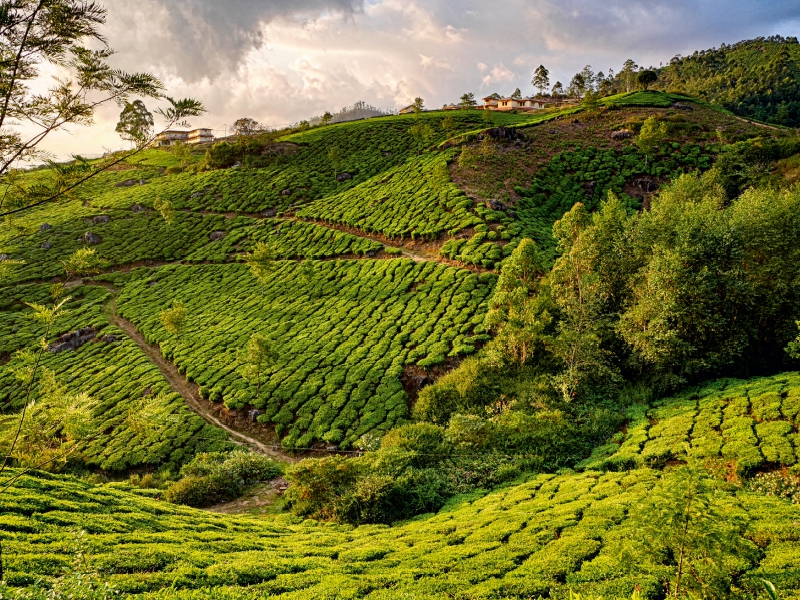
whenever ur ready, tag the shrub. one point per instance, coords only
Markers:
(216, 477)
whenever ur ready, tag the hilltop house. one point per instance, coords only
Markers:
(492, 103)
(201, 136)
(196, 136)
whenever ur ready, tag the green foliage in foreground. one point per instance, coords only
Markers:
(749, 425)
(544, 536)
(344, 331)
(419, 467)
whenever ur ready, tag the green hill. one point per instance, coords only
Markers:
(759, 78)
(455, 306)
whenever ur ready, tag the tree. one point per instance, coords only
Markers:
(467, 101)
(646, 78)
(558, 89)
(488, 147)
(578, 292)
(258, 355)
(183, 153)
(589, 78)
(262, 263)
(487, 116)
(577, 86)
(303, 126)
(516, 313)
(591, 101)
(135, 123)
(421, 132)
(691, 533)
(449, 124)
(246, 126)
(48, 315)
(325, 119)
(174, 318)
(517, 95)
(628, 74)
(56, 423)
(165, 209)
(36, 33)
(335, 155)
(418, 105)
(541, 79)
(83, 261)
(652, 133)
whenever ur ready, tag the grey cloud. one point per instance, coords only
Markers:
(656, 27)
(205, 38)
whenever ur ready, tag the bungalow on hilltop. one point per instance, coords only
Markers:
(493, 103)
(196, 136)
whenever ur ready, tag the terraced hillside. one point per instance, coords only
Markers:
(378, 246)
(364, 193)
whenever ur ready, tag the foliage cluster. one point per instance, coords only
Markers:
(419, 467)
(694, 287)
(759, 78)
(210, 478)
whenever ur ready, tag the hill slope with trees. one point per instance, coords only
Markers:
(590, 311)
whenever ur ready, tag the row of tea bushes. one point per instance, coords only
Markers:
(127, 237)
(416, 200)
(750, 424)
(344, 331)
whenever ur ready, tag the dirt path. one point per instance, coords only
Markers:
(178, 382)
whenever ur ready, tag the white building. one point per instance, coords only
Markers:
(196, 136)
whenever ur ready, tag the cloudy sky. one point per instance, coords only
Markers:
(279, 61)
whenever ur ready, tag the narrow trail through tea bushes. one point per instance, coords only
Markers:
(178, 382)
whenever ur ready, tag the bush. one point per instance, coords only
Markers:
(217, 477)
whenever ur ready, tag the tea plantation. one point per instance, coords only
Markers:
(344, 331)
(415, 200)
(53, 234)
(138, 419)
(749, 424)
(543, 536)
(385, 239)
